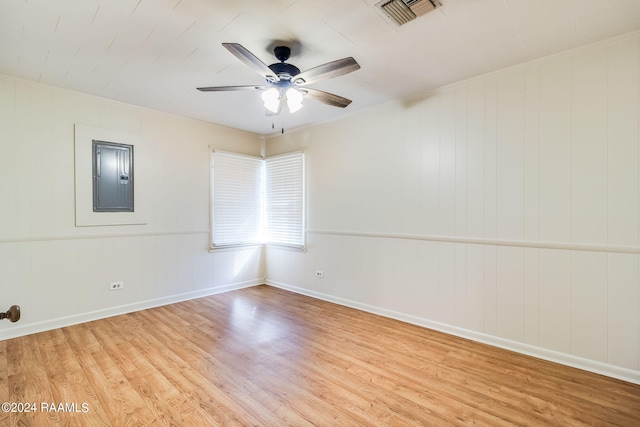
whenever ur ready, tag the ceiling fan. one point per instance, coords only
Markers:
(285, 81)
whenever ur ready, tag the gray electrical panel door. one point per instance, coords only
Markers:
(112, 177)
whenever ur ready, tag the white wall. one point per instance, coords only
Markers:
(503, 208)
(59, 273)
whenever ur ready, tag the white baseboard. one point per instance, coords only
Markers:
(530, 350)
(20, 330)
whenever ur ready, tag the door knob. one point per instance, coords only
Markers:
(13, 314)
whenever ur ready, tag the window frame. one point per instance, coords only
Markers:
(263, 231)
(259, 236)
(303, 202)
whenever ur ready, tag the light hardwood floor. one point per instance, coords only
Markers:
(264, 356)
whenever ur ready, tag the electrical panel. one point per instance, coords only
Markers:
(112, 177)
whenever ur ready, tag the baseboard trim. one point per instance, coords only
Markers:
(527, 349)
(60, 322)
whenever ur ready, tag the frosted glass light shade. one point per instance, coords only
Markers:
(271, 98)
(294, 100)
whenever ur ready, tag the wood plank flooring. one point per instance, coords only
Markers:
(264, 356)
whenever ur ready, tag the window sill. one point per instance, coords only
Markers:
(288, 247)
(238, 247)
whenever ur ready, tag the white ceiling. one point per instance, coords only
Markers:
(154, 53)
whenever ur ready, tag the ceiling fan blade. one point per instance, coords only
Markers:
(326, 98)
(228, 88)
(326, 71)
(251, 60)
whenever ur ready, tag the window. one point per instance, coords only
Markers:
(258, 201)
(284, 199)
(237, 199)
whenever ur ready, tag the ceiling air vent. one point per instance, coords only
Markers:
(403, 11)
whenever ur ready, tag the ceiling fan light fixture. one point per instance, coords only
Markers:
(271, 99)
(285, 82)
(294, 99)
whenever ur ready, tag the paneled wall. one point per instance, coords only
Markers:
(59, 273)
(503, 208)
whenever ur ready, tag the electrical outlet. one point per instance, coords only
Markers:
(114, 286)
(319, 274)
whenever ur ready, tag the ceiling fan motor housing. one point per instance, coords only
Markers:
(284, 71)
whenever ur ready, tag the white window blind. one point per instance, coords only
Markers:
(284, 199)
(237, 199)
